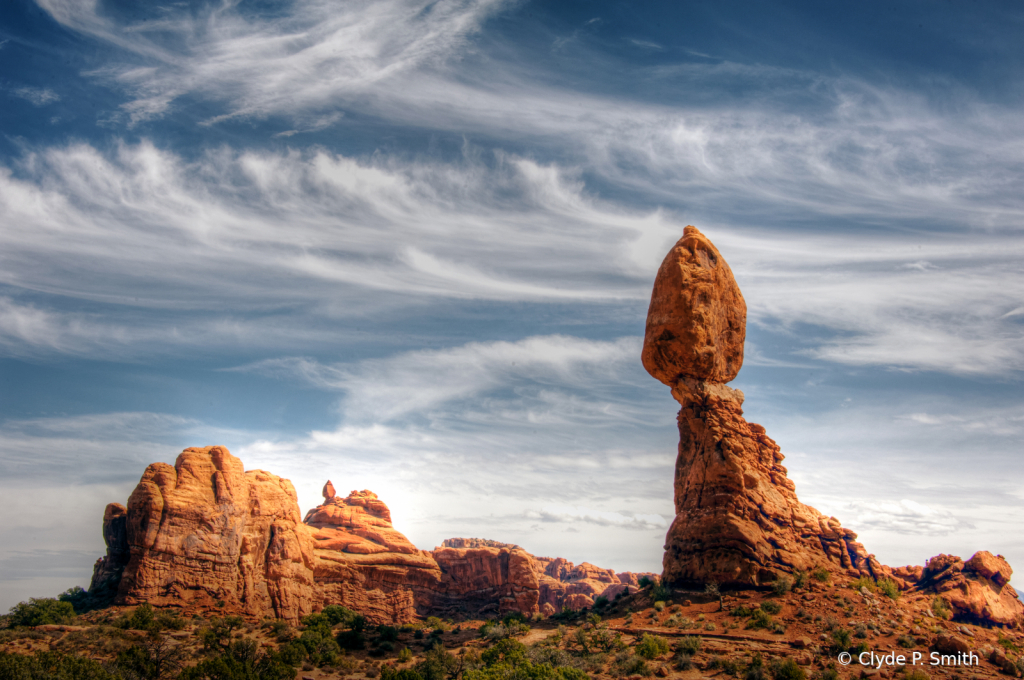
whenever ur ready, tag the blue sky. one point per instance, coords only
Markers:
(408, 246)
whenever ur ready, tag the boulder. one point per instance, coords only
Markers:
(696, 322)
(977, 590)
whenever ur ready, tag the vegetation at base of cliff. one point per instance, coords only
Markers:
(39, 611)
(51, 666)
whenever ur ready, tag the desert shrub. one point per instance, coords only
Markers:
(600, 602)
(786, 669)
(860, 631)
(660, 592)
(387, 633)
(684, 661)
(831, 622)
(840, 640)
(710, 625)
(864, 582)
(689, 644)
(652, 646)
(156, 658)
(755, 669)
(351, 639)
(500, 630)
(434, 623)
(321, 647)
(418, 635)
(771, 606)
(627, 663)
(827, 674)
(659, 606)
(645, 581)
(915, 674)
(741, 612)
(799, 578)
(941, 608)
(244, 660)
(404, 655)
(821, 574)
(727, 666)
(759, 618)
(41, 610)
(782, 585)
(905, 641)
(78, 598)
(889, 588)
(51, 666)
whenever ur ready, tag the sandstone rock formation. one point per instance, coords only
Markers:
(697, 320)
(364, 563)
(977, 590)
(106, 574)
(738, 521)
(205, 532)
(206, 535)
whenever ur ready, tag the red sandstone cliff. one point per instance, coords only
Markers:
(205, 534)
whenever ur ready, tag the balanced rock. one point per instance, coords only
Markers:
(697, 320)
(328, 492)
(738, 521)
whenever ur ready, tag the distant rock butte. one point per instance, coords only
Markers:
(206, 535)
(738, 520)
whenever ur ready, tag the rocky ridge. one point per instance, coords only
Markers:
(206, 535)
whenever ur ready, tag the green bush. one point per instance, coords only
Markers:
(51, 666)
(689, 644)
(660, 592)
(759, 618)
(799, 578)
(659, 606)
(244, 660)
(821, 574)
(351, 639)
(600, 602)
(78, 598)
(645, 581)
(782, 585)
(41, 610)
(404, 655)
(864, 582)
(840, 640)
(387, 633)
(321, 648)
(627, 663)
(771, 606)
(941, 608)
(889, 588)
(652, 646)
(786, 669)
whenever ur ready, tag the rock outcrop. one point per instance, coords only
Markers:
(206, 533)
(106, 573)
(977, 591)
(738, 521)
(364, 563)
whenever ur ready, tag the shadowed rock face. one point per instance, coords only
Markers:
(738, 521)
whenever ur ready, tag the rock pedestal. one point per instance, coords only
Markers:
(738, 521)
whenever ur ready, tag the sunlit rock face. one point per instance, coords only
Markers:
(738, 521)
(204, 535)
